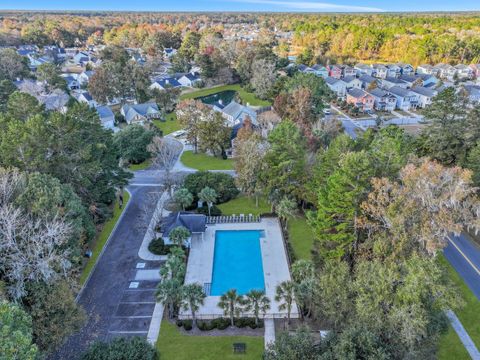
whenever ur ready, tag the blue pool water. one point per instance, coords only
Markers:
(237, 262)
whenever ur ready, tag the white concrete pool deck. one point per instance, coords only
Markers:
(274, 259)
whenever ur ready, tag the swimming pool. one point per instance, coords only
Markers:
(237, 262)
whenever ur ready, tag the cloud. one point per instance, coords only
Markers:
(311, 5)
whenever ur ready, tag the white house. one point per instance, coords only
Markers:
(338, 86)
(379, 71)
(85, 77)
(190, 79)
(352, 82)
(363, 69)
(425, 69)
(390, 82)
(107, 118)
(140, 113)
(464, 72)
(424, 95)
(72, 82)
(393, 70)
(85, 97)
(164, 83)
(405, 99)
(384, 101)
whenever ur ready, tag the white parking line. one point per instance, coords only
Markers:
(127, 332)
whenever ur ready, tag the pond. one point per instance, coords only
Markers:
(226, 96)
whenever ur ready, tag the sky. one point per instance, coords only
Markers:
(244, 5)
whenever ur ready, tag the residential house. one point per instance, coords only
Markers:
(351, 82)
(476, 70)
(406, 69)
(196, 224)
(379, 71)
(82, 58)
(34, 62)
(405, 99)
(190, 79)
(367, 81)
(320, 71)
(305, 69)
(360, 99)
(389, 82)
(384, 101)
(334, 71)
(464, 72)
(169, 52)
(235, 113)
(425, 69)
(107, 118)
(25, 50)
(412, 80)
(338, 86)
(58, 54)
(140, 113)
(72, 82)
(473, 93)
(393, 70)
(429, 80)
(424, 95)
(57, 100)
(85, 77)
(85, 97)
(363, 69)
(445, 71)
(164, 83)
(348, 71)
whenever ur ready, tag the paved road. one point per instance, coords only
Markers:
(116, 304)
(464, 255)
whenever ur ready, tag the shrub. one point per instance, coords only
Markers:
(206, 325)
(223, 184)
(222, 323)
(187, 325)
(244, 322)
(135, 348)
(157, 246)
(214, 211)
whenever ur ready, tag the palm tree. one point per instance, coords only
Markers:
(183, 197)
(173, 268)
(179, 235)
(209, 196)
(169, 293)
(257, 302)
(192, 297)
(285, 293)
(230, 303)
(286, 208)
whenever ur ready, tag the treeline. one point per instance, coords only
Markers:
(59, 174)
(380, 207)
(416, 39)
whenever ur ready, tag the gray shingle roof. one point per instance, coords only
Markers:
(423, 91)
(195, 223)
(396, 90)
(104, 112)
(358, 93)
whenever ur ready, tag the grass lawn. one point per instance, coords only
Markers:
(205, 162)
(102, 237)
(245, 205)
(301, 237)
(141, 166)
(247, 97)
(450, 346)
(169, 125)
(173, 345)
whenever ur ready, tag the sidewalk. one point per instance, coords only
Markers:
(463, 335)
